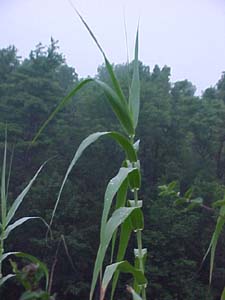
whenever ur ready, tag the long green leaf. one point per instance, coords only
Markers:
(124, 267)
(114, 80)
(21, 196)
(118, 217)
(16, 224)
(214, 240)
(7, 254)
(5, 278)
(121, 111)
(111, 190)
(62, 103)
(3, 187)
(120, 202)
(125, 233)
(134, 97)
(122, 141)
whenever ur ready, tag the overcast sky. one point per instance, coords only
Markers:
(187, 35)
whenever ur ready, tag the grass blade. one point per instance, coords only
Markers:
(62, 103)
(10, 169)
(120, 202)
(214, 240)
(122, 111)
(21, 196)
(16, 224)
(125, 233)
(5, 278)
(134, 97)
(7, 254)
(110, 193)
(3, 186)
(109, 67)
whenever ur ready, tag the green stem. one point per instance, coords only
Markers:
(139, 239)
(139, 243)
(1, 253)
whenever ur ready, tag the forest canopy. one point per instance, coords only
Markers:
(182, 139)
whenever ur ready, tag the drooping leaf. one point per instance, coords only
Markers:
(7, 254)
(111, 73)
(21, 196)
(16, 224)
(62, 103)
(5, 278)
(120, 139)
(134, 97)
(124, 267)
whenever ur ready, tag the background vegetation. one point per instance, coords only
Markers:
(182, 138)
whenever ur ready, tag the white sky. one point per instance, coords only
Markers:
(187, 35)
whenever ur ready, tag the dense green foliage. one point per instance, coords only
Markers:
(182, 138)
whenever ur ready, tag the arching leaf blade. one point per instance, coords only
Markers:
(6, 255)
(109, 67)
(16, 224)
(120, 139)
(61, 104)
(13, 209)
(5, 278)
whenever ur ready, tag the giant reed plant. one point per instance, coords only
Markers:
(8, 211)
(127, 217)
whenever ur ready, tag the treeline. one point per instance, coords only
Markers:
(182, 138)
